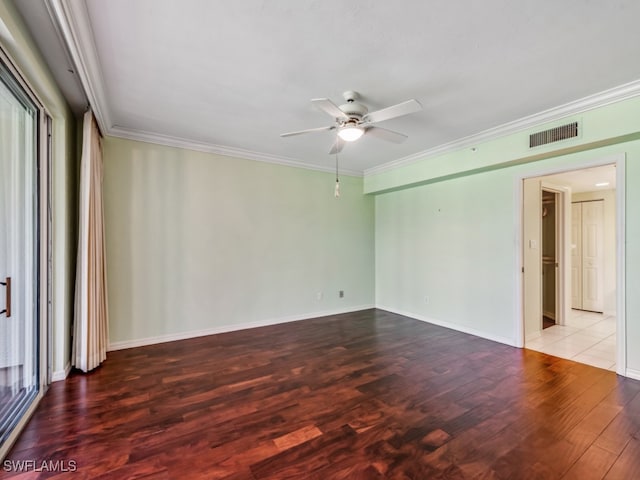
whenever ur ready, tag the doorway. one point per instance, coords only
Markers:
(590, 283)
(550, 262)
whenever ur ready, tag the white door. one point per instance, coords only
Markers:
(576, 255)
(593, 256)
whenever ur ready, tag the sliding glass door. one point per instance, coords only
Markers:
(20, 352)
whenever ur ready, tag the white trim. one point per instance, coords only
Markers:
(619, 160)
(172, 337)
(563, 228)
(601, 99)
(59, 375)
(453, 326)
(518, 273)
(72, 20)
(635, 374)
(613, 95)
(621, 295)
(169, 141)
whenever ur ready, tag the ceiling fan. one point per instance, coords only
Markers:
(353, 119)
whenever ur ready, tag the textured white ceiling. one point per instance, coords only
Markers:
(237, 74)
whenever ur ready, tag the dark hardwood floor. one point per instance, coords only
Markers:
(367, 395)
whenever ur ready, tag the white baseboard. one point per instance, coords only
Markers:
(59, 375)
(171, 337)
(630, 373)
(551, 315)
(453, 326)
(635, 374)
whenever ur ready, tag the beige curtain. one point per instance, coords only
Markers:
(90, 330)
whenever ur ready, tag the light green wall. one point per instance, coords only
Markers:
(17, 42)
(198, 242)
(450, 242)
(607, 125)
(455, 241)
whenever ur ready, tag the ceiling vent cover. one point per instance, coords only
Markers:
(553, 135)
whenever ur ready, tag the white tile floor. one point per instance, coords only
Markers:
(587, 337)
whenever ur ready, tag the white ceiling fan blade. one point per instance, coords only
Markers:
(308, 130)
(404, 108)
(331, 108)
(388, 135)
(337, 147)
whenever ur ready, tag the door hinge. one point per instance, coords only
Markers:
(522, 269)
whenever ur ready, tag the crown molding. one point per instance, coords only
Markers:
(178, 142)
(607, 97)
(72, 20)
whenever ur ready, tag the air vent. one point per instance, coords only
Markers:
(553, 135)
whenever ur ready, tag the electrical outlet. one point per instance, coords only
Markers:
(426, 299)
(341, 293)
(319, 295)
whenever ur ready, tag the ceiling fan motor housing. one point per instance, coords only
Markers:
(354, 109)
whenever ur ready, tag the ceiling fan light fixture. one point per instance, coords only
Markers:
(353, 119)
(350, 133)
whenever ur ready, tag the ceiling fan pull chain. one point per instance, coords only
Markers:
(337, 190)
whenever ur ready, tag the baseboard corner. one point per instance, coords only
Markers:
(60, 375)
(634, 374)
(453, 326)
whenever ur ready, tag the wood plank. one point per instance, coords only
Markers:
(364, 395)
(594, 464)
(628, 463)
(293, 439)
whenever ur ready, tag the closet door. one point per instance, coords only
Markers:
(593, 256)
(576, 255)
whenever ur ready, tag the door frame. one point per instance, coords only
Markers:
(619, 160)
(563, 246)
(43, 234)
